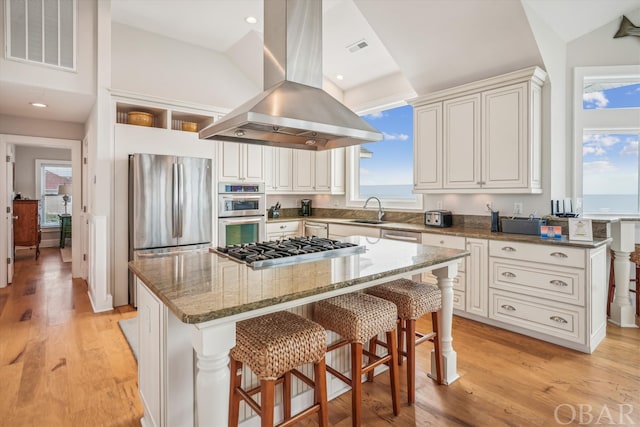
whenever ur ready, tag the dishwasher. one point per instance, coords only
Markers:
(318, 229)
(406, 236)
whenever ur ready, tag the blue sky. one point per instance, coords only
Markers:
(610, 160)
(392, 159)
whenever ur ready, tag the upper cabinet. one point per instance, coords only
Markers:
(482, 137)
(240, 162)
(304, 172)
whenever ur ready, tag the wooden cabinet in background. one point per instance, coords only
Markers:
(26, 224)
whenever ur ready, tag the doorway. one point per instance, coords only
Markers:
(29, 149)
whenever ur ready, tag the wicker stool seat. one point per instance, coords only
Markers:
(357, 318)
(634, 257)
(414, 300)
(273, 346)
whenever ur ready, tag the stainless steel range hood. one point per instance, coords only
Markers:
(293, 111)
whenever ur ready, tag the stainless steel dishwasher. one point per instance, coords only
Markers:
(406, 236)
(318, 229)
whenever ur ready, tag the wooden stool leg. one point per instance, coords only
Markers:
(612, 286)
(402, 331)
(393, 372)
(411, 360)
(286, 395)
(373, 348)
(356, 384)
(637, 289)
(437, 346)
(235, 369)
(320, 380)
(267, 402)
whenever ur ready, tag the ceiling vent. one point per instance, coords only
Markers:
(357, 46)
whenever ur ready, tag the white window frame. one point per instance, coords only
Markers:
(26, 60)
(353, 199)
(619, 120)
(39, 164)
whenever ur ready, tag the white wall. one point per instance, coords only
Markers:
(81, 81)
(43, 128)
(152, 64)
(25, 178)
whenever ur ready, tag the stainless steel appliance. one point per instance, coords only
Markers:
(438, 218)
(405, 236)
(318, 229)
(170, 206)
(306, 207)
(241, 213)
(289, 251)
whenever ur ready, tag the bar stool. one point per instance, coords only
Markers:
(273, 345)
(413, 300)
(634, 257)
(356, 318)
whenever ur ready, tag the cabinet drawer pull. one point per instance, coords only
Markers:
(558, 319)
(508, 249)
(559, 255)
(282, 227)
(508, 274)
(559, 283)
(442, 242)
(508, 307)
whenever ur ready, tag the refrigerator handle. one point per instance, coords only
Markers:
(181, 190)
(175, 208)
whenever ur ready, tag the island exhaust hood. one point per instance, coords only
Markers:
(293, 111)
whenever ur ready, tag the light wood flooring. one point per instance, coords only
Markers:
(63, 365)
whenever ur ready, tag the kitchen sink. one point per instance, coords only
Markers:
(366, 221)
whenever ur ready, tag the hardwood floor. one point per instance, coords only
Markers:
(63, 365)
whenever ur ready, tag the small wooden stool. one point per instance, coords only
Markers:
(273, 345)
(413, 300)
(634, 257)
(356, 318)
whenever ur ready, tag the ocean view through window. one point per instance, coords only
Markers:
(385, 168)
(609, 127)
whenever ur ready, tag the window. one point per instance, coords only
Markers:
(607, 117)
(385, 168)
(42, 31)
(50, 176)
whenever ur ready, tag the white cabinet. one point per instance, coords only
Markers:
(282, 230)
(551, 292)
(489, 134)
(240, 162)
(320, 172)
(459, 282)
(477, 292)
(427, 167)
(337, 231)
(165, 362)
(461, 138)
(278, 169)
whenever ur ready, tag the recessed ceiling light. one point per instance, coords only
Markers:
(38, 104)
(251, 20)
(340, 77)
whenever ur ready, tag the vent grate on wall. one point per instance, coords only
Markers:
(42, 31)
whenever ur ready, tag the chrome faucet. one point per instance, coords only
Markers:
(380, 211)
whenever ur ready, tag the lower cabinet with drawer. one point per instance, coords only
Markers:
(459, 282)
(283, 229)
(551, 292)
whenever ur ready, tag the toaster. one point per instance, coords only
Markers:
(438, 218)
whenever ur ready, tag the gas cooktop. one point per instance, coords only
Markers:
(288, 251)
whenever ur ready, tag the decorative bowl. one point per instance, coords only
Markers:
(139, 118)
(190, 126)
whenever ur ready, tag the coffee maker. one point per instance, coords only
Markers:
(306, 207)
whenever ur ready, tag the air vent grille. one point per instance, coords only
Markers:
(357, 46)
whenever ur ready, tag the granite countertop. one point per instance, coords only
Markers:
(201, 286)
(463, 231)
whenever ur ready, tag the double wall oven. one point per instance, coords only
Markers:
(241, 213)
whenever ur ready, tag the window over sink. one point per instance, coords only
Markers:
(384, 169)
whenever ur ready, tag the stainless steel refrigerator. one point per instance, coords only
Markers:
(170, 207)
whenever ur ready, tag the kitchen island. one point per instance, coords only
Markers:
(191, 302)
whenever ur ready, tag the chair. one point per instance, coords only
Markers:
(634, 257)
(272, 346)
(414, 300)
(357, 318)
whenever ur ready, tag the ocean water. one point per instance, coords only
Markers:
(614, 203)
(387, 191)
